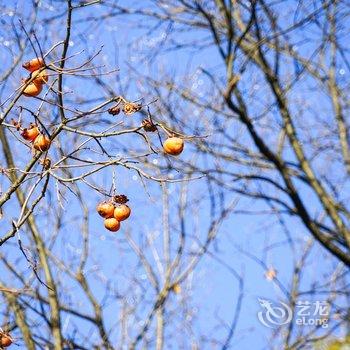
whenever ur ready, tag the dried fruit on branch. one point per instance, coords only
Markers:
(173, 146)
(5, 340)
(46, 163)
(121, 199)
(148, 126)
(176, 288)
(112, 224)
(16, 124)
(130, 108)
(114, 110)
(271, 274)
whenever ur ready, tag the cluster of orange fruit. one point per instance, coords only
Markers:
(40, 141)
(38, 77)
(114, 211)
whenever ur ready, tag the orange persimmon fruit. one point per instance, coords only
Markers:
(5, 340)
(40, 77)
(122, 212)
(112, 224)
(173, 146)
(32, 89)
(42, 143)
(31, 133)
(176, 288)
(33, 64)
(105, 209)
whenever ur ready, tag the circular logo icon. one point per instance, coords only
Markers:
(274, 315)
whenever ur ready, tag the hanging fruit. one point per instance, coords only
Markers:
(40, 77)
(114, 211)
(105, 209)
(31, 133)
(148, 125)
(173, 146)
(32, 89)
(112, 224)
(5, 340)
(42, 143)
(114, 110)
(34, 64)
(131, 107)
(122, 212)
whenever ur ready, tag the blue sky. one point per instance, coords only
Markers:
(214, 290)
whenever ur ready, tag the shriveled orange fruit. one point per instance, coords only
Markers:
(122, 212)
(173, 146)
(112, 224)
(31, 133)
(40, 77)
(105, 209)
(5, 340)
(33, 64)
(177, 288)
(32, 90)
(42, 143)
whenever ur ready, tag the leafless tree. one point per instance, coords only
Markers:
(267, 80)
(260, 99)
